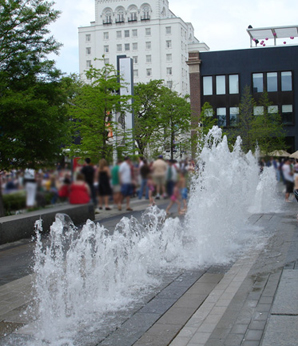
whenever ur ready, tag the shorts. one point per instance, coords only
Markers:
(126, 190)
(159, 180)
(184, 193)
(289, 186)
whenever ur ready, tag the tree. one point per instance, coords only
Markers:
(147, 101)
(162, 118)
(33, 121)
(93, 112)
(257, 126)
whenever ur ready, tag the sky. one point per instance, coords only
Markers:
(220, 24)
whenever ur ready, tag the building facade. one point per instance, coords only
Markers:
(223, 76)
(148, 32)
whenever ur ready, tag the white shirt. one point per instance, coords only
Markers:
(125, 173)
(286, 170)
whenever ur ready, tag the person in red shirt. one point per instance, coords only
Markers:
(79, 191)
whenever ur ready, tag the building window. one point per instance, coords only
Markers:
(273, 109)
(258, 110)
(272, 81)
(120, 16)
(169, 44)
(136, 73)
(106, 49)
(88, 50)
(126, 33)
(107, 18)
(168, 30)
(148, 58)
(207, 85)
(88, 38)
(169, 70)
(119, 34)
(169, 57)
(286, 81)
(126, 46)
(88, 63)
(119, 47)
(148, 45)
(106, 61)
(132, 17)
(135, 46)
(149, 72)
(170, 84)
(234, 116)
(135, 59)
(134, 33)
(221, 117)
(234, 84)
(148, 31)
(105, 35)
(145, 13)
(220, 85)
(257, 82)
(287, 114)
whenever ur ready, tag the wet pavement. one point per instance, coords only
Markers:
(253, 301)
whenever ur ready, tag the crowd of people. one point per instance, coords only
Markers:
(105, 185)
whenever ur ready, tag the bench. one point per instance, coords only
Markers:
(16, 227)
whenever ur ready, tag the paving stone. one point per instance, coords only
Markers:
(254, 335)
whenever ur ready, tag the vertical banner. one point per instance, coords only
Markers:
(125, 68)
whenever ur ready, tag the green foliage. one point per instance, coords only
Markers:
(33, 122)
(14, 201)
(162, 118)
(93, 110)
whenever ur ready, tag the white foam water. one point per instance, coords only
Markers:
(81, 276)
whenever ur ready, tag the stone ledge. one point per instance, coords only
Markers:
(16, 227)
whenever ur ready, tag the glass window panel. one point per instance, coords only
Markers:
(272, 81)
(220, 85)
(126, 46)
(234, 116)
(234, 84)
(118, 34)
(148, 45)
(273, 109)
(259, 110)
(207, 85)
(287, 114)
(135, 59)
(126, 33)
(134, 32)
(148, 58)
(257, 80)
(221, 116)
(286, 81)
(119, 47)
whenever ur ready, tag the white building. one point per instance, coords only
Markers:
(148, 32)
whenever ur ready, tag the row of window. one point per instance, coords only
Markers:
(222, 83)
(286, 112)
(272, 81)
(119, 15)
(128, 46)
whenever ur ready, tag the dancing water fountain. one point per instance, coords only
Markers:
(80, 276)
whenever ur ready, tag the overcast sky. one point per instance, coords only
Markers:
(220, 24)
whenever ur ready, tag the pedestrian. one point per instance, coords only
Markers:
(63, 191)
(144, 172)
(104, 186)
(116, 187)
(183, 190)
(174, 199)
(30, 187)
(288, 178)
(159, 169)
(126, 181)
(79, 191)
(150, 188)
(89, 173)
(171, 177)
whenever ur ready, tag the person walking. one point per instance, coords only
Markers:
(104, 187)
(116, 187)
(79, 191)
(159, 169)
(288, 175)
(175, 198)
(144, 172)
(89, 173)
(171, 177)
(126, 181)
(30, 187)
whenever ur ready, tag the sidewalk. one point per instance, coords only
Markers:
(251, 302)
